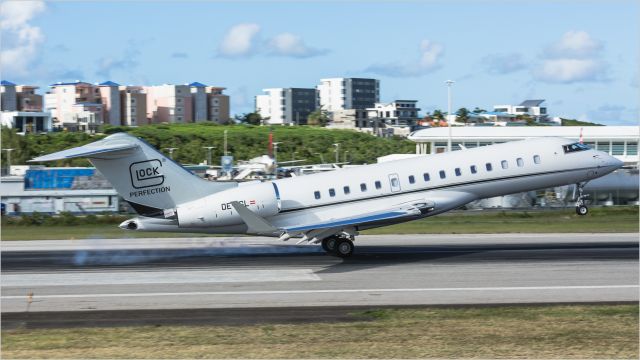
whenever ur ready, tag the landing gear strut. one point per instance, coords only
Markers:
(581, 207)
(338, 246)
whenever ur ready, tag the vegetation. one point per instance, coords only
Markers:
(556, 331)
(573, 122)
(462, 115)
(318, 118)
(438, 114)
(600, 220)
(244, 142)
(252, 118)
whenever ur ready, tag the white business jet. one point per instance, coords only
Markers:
(331, 208)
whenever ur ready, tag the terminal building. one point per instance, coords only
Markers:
(53, 190)
(619, 141)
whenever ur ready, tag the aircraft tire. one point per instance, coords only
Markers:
(329, 244)
(582, 210)
(344, 248)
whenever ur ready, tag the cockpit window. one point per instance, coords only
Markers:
(574, 147)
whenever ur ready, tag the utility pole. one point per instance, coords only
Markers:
(321, 157)
(275, 155)
(171, 152)
(209, 153)
(449, 83)
(337, 150)
(344, 158)
(225, 143)
(8, 160)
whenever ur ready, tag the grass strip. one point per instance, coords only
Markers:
(553, 331)
(599, 220)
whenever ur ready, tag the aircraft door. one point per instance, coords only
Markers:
(394, 181)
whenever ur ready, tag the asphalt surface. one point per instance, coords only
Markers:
(178, 277)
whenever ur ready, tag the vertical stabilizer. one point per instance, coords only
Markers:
(150, 181)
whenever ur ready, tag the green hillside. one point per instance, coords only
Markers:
(244, 142)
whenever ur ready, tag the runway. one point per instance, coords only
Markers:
(251, 272)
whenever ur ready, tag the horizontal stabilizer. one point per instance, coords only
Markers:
(87, 151)
(255, 223)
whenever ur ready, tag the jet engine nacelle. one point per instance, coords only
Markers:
(216, 210)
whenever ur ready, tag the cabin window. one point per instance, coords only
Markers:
(363, 187)
(520, 162)
(394, 183)
(458, 172)
(442, 174)
(378, 185)
(346, 190)
(505, 164)
(536, 159)
(317, 194)
(473, 169)
(412, 179)
(332, 192)
(426, 176)
(489, 166)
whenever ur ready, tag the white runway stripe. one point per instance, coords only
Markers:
(152, 277)
(329, 291)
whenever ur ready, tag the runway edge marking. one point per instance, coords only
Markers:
(274, 292)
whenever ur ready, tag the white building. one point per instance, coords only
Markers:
(286, 106)
(619, 141)
(348, 93)
(531, 108)
(27, 121)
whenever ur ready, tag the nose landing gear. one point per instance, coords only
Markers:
(581, 207)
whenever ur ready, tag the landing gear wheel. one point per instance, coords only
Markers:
(582, 210)
(344, 248)
(330, 244)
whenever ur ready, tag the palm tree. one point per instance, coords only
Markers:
(462, 115)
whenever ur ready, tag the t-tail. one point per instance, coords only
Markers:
(152, 183)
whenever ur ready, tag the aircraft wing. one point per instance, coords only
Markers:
(316, 231)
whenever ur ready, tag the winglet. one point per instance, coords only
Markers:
(255, 223)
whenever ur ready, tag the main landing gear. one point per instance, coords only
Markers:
(581, 207)
(338, 246)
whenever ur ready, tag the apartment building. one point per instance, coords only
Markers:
(399, 113)
(199, 101)
(75, 106)
(133, 103)
(8, 96)
(348, 93)
(218, 105)
(169, 104)
(287, 106)
(22, 108)
(111, 104)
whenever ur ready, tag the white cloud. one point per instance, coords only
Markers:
(574, 58)
(287, 44)
(19, 38)
(126, 62)
(239, 40)
(574, 44)
(571, 70)
(430, 55)
(503, 63)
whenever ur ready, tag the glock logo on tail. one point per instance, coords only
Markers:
(146, 173)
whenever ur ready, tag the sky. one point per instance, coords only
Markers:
(582, 57)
